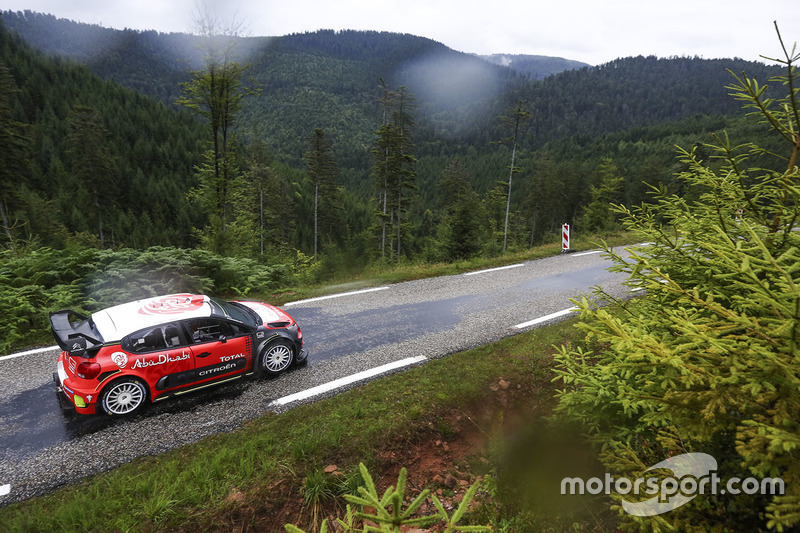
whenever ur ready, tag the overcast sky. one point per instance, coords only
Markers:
(592, 31)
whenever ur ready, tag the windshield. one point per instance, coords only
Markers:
(235, 311)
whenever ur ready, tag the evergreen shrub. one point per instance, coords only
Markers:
(708, 358)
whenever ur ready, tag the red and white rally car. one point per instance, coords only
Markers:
(122, 357)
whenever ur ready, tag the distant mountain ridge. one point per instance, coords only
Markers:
(634, 110)
(331, 80)
(534, 67)
(118, 54)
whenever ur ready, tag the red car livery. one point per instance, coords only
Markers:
(125, 356)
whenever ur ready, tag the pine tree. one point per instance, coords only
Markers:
(708, 359)
(92, 163)
(322, 170)
(216, 94)
(514, 121)
(462, 228)
(15, 153)
(394, 169)
(597, 214)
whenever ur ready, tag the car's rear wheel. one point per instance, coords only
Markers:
(276, 357)
(123, 397)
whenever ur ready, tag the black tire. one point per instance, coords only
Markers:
(276, 357)
(123, 397)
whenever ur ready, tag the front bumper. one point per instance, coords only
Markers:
(302, 356)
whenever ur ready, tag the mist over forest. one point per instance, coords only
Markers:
(108, 152)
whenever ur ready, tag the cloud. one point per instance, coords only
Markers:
(585, 30)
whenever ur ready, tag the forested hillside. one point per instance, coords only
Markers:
(102, 151)
(57, 112)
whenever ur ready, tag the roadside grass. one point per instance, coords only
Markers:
(377, 274)
(244, 478)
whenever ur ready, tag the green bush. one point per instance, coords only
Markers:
(35, 282)
(708, 359)
(393, 510)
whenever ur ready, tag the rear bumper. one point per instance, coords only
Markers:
(66, 396)
(63, 401)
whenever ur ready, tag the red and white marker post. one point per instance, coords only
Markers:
(565, 237)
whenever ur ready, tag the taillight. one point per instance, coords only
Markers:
(87, 370)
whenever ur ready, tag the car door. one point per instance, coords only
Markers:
(220, 348)
(160, 355)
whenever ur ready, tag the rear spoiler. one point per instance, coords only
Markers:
(74, 332)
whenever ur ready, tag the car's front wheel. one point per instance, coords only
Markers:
(123, 397)
(276, 357)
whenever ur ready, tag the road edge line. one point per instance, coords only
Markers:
(320, 298)
(493, 269)
(545, 318)
(28, 352)
(347, 380)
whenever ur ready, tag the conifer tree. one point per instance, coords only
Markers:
(394, 169)
(708, 359)
(514, 121)
(322, 170)
(92, 164)
(462, 228)
(597, 214)
(15, 153)
(216, 93)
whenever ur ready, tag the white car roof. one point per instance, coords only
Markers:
(116, 322)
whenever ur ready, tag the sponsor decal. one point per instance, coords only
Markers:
(171, 305)
(161, 359)
(226, 358)
(120, 359)
(217, 369)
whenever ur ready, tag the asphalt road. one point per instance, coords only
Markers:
(351, 337)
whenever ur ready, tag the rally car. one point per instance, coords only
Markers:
(121, 358)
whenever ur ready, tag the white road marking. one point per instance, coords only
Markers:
(493, 269)
(5, 490)
(588, 253)
(545, 318)
(29, 352)
(347, 380)
(319, 298)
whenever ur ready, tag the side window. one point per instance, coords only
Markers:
(208, 330)
(172, 335)
(152, 339)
